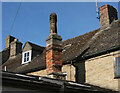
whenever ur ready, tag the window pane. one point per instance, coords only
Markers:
(24, 59)
(117, 66)
(25, 55)
(27, 58)
(28, 54)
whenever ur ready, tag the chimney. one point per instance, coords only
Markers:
(15, 47)
(107, 15)
(9, 39)
(54, 51)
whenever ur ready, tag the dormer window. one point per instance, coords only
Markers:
(26, 57)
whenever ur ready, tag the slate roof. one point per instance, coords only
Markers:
(85, 46)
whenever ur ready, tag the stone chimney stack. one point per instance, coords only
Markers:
(9, 39)
(54, 51)
(15, 47)
(107, 15)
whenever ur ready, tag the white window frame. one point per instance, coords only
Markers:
(30, 52)
(65, 73)
(5, 68)
(117, 67)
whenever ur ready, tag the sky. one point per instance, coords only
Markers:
(32, 21)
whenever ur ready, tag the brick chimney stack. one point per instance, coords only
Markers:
(107, 15)
(54, 51)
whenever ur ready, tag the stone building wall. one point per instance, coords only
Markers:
(38, 73)
(100, 71)
(69, 69)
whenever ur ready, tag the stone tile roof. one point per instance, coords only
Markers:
(13, 62)
(106, 40)
(75, 46)
(39, 62)
(36, 64)
(36, 47)
(84, 46)
(4, 55)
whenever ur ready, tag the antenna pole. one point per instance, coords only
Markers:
(97, 10)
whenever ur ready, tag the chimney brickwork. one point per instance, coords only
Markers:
(54, 51)
(15, 47)
(107, 15)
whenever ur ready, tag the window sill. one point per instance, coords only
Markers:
(116, 77)
(25, 63)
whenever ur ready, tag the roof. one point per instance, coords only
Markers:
(4, 55)
(76, 45)
(39, 62)
(34, 46)
(38, 83)
(85, 46)
(105, 41)
(13, 63)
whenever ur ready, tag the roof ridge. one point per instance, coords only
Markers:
(88, 43)
(82, 34)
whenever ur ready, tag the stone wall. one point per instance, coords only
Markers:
(100, 71)
(26, 47)
(69, 69)
(38, 73)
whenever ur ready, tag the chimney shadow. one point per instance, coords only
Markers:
(80, 72)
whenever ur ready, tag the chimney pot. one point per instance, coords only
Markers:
(53, 21)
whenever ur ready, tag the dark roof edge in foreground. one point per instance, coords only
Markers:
(36, 81)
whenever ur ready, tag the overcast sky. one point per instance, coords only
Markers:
(32, 22)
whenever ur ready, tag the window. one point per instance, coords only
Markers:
(26, 57)
(65, 73)
(117, 67)
(5, 68)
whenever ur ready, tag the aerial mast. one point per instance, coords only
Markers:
(97, 9)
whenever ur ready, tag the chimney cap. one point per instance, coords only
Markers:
(15, 40)
(54, 14)
(105, 6)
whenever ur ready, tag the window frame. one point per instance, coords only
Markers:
(116, 65)
(5, 68)
(23, 56)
